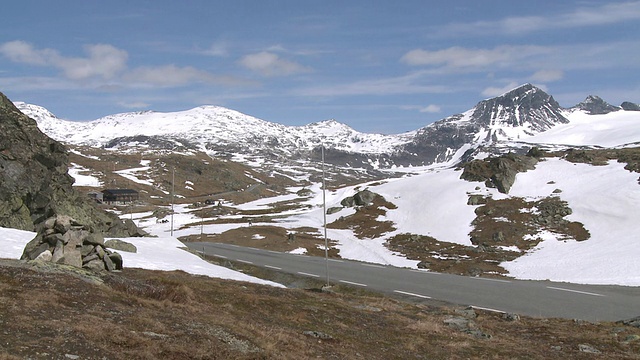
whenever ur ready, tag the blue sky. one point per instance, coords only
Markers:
(378, 66)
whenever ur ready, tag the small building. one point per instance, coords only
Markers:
(119, 195)
(95, 195)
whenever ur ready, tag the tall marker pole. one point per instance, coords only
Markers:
(324, 213)
(173, 180)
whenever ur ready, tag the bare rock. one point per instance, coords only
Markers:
(72, 256)
(44, 256)
(108, 263)
(62, 224)
(588, 349)
(120, 245)
(58, 252)
(116, 259)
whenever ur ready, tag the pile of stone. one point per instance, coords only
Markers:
(63, 240)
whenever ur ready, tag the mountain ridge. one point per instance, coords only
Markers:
(514, 116)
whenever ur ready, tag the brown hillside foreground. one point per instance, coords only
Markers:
(52, 312)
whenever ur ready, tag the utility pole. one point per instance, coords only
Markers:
(324, 214)
(173, 180)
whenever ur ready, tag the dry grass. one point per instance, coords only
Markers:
(364, 222)
(272, 238)
(139, 314)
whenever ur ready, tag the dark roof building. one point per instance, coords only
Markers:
(119, 195)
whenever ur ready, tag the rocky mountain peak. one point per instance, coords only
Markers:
(526, 106)
(594, 105)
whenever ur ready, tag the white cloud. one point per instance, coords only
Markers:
(104, 61)
(134, 104)
(581, 17)
(409, 84)
(432, 109)
(459, 58)
(23, 52)
(167, 75)
(497, 91)
(218, 49)
(547, 75)
(270, 64)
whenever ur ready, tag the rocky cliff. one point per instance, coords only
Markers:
(34, 183)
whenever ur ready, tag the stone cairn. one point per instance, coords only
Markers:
(63, 240)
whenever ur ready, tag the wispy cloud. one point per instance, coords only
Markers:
(548, 62)
(167, 75)
(604, 14)
(218, 49)
(270, 64)
(105, 67)
(496, 91)
(102, 60)
(432, 109)
(134, 105)
(547, 75)
(460, 58)
(408, 84)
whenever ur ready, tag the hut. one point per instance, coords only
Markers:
(110, 196)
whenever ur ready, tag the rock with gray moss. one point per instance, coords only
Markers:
(117, 244)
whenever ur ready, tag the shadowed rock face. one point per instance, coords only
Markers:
(594, 105)
(34, 183)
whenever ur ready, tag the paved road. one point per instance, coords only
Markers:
(533, 298)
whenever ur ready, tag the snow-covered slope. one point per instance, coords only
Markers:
(526, 113)
(208, 126)
(153, 254)
(620, 128)
(430, 200)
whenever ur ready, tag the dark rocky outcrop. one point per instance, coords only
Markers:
(499, 172)
(362, 198)
(34, 183)
(594, 105)
(63, 240)
(629, 106)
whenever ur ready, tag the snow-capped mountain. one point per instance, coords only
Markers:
(569, 215)
(516, 116)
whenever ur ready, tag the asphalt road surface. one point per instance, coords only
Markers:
(532, 298)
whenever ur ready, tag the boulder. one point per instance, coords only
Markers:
(117, 260)
(58, 252)
(362, 198)
(72, 257)
(117, 244)
(44, 256)
(108, 263)
(499, 172)
(62, 224)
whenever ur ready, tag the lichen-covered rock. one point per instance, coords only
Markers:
(362, 198)
(117, 244)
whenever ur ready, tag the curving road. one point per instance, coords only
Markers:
(532, 298)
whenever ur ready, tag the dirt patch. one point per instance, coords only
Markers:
(441, 256)
(272, 238)
(140, 314)
(364, 222)
(597, 157)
